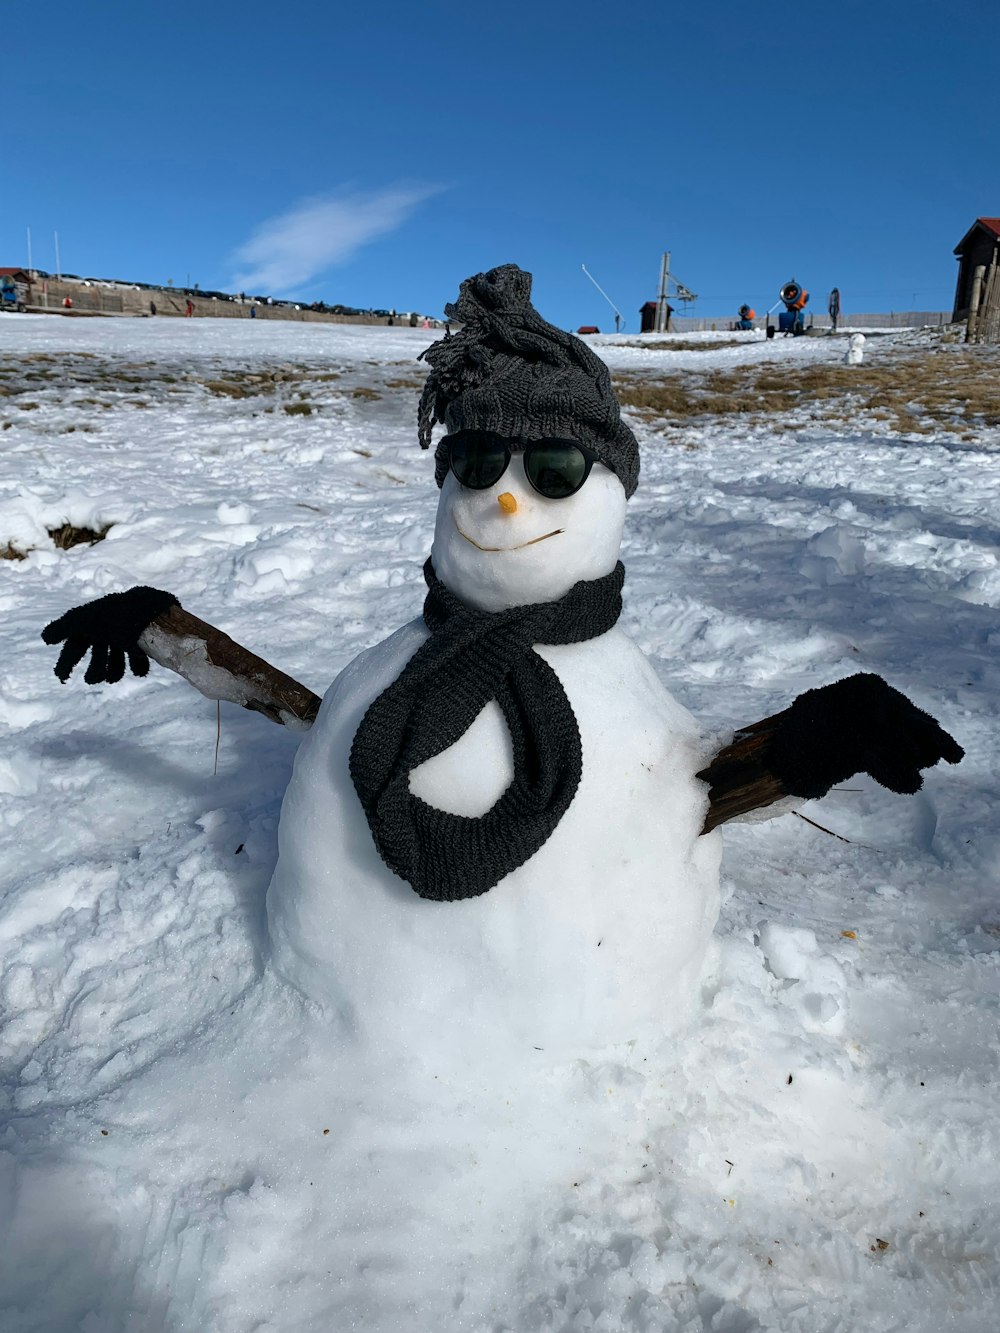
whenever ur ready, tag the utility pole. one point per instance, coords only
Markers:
(681, 293)
(58, 265)
(662, 312)
(29, 252)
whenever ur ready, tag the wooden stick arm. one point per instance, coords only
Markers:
(220, 668)
(738, 776)
(855, 725)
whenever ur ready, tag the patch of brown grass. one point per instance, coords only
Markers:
(363, 391)
(948, 387)
(684, 345)
(298, 409)
(67, 536)
(64, 538)
(720, 393)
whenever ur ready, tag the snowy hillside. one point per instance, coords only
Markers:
(182, 1145)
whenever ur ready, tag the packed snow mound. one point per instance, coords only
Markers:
(598, 939)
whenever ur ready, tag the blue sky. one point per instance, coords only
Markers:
(376, 154)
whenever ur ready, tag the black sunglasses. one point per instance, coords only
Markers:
(555, 468)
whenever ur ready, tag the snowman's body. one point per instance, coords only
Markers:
(600, 936)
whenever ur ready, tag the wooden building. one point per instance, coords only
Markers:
(978, 247)
(647, 316)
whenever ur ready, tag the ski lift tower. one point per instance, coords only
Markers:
(681, 293)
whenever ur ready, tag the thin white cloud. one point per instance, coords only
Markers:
(289, 250)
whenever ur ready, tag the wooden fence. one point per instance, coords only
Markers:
(983, 324)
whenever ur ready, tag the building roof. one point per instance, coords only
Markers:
(991, 225)
(13, 273)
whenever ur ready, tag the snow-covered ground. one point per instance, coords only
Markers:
(181, 1146)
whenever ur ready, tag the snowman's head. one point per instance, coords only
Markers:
(536, 465)
(510, 543)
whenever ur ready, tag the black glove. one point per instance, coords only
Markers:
(857, 725)
(109, 628)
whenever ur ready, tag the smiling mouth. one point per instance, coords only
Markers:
(519, 547)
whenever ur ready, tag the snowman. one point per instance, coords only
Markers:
(499, 832)
(855, 354)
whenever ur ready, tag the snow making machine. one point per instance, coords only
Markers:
(794, 297)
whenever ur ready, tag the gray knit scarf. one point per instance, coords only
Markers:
(470, 658)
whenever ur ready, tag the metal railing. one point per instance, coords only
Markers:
(894, 319)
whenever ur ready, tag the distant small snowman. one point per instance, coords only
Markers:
(499, 825)
(855, 354)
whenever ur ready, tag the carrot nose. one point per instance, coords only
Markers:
(507, 503)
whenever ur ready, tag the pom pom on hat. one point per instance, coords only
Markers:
(509, 371)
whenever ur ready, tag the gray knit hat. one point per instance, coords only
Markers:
(509, 371)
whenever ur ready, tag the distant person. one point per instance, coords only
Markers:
(67, 303)
(152, 307)
(833, 305)
(189, 309)
(390, 321)
(253, 312)
(426, 324)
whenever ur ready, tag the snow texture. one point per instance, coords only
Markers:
(191, 1143)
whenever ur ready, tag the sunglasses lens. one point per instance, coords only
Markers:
(478, 460)
(556, 468)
